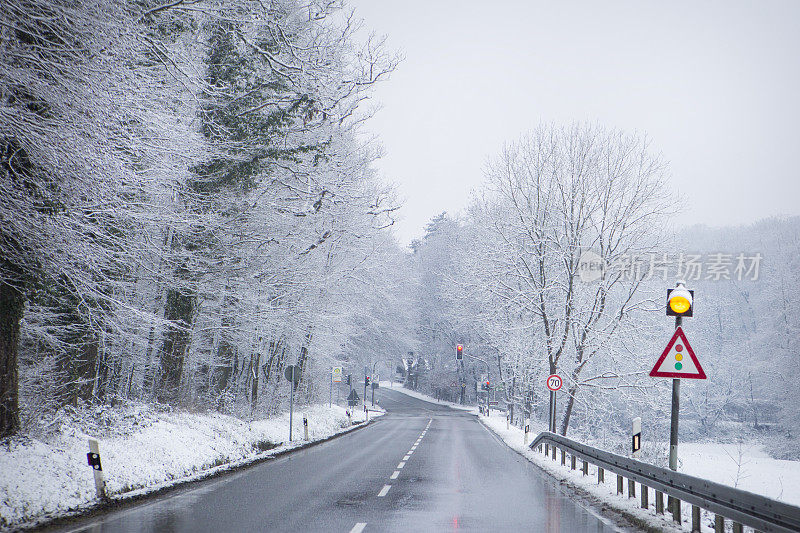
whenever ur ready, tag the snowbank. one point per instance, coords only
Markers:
(143, 450)
(721, 463)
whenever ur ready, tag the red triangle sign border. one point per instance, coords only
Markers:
(679, 334)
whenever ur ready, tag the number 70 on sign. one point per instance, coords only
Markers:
(554, 382)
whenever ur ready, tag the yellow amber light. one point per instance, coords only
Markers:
(679, 304)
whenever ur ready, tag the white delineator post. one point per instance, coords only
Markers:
(527, 428)
(93, 458)
(636, 440)
(305, 426)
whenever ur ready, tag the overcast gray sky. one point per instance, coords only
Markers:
(715, 85)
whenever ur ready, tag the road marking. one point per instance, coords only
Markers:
(394, 476)
(410, 452)
(359, 527)
(384, 490)
(406, 458)
(401, 465)
(414, 447)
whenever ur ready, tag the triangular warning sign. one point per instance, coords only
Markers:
(678, 360)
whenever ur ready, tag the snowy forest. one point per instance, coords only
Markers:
(189, 203)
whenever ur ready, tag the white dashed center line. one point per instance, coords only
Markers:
(405, 458)
(401, 465)
(359, 527)
(394, 476)
(384, 490)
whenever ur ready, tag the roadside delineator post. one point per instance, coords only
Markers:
(527, 429)
(305, 426)
(93, 457)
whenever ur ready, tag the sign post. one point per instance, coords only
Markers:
(674, 364)
(366, 383)
(336, 377)
(292, 374)
(554, 383)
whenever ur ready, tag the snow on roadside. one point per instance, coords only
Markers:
(746, 467)
(702, 460)
(420, 396)
(42, 480)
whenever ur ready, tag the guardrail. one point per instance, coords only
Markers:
(741, 507)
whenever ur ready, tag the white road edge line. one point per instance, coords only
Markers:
(401, 465)
(359, 527)
(394, 476)
(384, 490)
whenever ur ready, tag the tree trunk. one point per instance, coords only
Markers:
(11, 307)
(179, 309)
(568, 412)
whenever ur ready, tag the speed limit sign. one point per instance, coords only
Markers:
(554, 382)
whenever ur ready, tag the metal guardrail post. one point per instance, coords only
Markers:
(737, 527)
(631, 488)
(572, 461)
(695, 519)
(676, 510)
(659, 502)
(600, 475)
(619, 484)
(554, 453)
(585, 468)
(563, 457)
(645, 495)
(719, 524)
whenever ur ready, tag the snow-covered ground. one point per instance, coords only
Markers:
(142, 450)
(744, 466)
(399, 388)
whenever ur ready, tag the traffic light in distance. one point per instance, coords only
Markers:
(459, 351)
(680, 301)
(366, 380)
(348, 379)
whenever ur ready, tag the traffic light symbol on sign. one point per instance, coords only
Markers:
(678, 360)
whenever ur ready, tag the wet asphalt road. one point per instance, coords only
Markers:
(422, 467)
